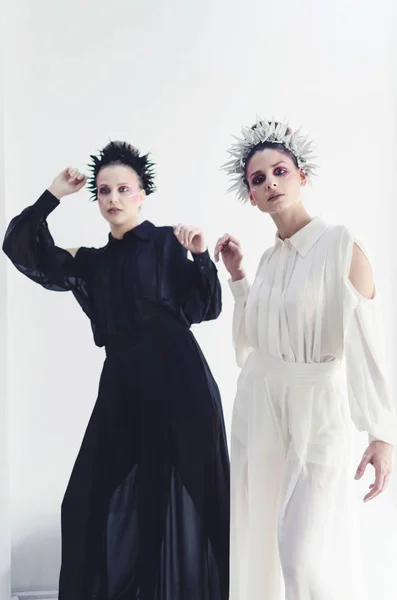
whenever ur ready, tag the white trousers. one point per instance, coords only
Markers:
(291, 512)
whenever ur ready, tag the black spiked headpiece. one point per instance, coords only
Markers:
(122, 153)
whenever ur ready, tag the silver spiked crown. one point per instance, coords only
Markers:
(273, 132)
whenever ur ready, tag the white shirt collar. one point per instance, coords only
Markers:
(304, 239)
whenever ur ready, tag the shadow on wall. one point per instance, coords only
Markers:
(35, 562)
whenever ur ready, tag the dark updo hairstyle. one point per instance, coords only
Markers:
(122, 153)
(263, 146)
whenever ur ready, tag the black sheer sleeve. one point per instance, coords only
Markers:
(30, 246)
(197, 284)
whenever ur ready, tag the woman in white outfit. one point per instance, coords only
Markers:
(312, 305)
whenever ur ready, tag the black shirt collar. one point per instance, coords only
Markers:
(143, 231)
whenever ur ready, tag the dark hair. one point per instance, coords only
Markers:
(122, 153)
(263, 146)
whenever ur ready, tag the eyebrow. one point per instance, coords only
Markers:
(272, 166)
(123, 183)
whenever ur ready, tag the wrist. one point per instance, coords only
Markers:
(375, 441)
(55, 192)
(200, 250)
(237, 274)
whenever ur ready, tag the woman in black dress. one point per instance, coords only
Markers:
(146, 512)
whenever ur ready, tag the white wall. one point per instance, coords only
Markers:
(5, 541)
(177, 78)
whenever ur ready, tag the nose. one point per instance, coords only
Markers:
(271, 183)
(113, 197)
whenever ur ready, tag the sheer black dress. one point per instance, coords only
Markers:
(146, 512)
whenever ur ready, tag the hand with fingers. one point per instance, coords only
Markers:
(191, 238)
(230, 249)
(68, 182)
(380, 456)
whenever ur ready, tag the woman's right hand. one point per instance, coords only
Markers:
(229, 248)
(67, 182)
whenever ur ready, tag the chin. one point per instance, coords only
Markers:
(271, 209)
(115, 219)
(284, 204)
(281, 207)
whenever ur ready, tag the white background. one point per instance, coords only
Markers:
(4, 462)
(178, 79)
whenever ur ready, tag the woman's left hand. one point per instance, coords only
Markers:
(380, 456)
(191, 238)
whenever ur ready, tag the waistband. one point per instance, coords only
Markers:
(151, 330)
(277, 367)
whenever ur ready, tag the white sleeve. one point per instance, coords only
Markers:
(371, 406)
(240, 290)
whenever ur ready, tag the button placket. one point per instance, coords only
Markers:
(275, 302)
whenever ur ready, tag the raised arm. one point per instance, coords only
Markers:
(29, 245)
(197, 280)
(230, 249)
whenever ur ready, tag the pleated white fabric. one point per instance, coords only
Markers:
(293, 330)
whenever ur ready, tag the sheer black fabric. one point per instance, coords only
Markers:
(146, 511)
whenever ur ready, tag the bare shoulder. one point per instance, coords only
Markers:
(361, 274)
(72, 251)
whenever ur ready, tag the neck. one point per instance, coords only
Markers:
(119, 231)
(291, 220)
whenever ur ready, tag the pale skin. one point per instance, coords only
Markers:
(120, 198)
(271, 173)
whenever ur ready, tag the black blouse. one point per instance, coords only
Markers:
(142, 275)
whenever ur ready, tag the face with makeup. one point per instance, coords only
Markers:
(120, 195)
(274, 180)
